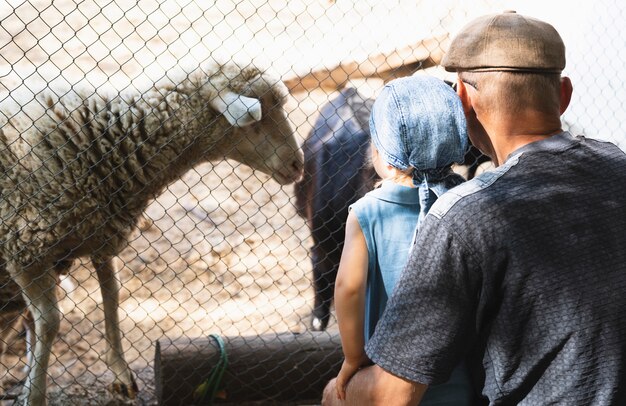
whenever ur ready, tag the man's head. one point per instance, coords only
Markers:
(509, 70)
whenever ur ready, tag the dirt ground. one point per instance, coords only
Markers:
(222, 250)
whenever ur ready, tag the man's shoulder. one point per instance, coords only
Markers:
(606, 149)
(577, 162)
(474, 190)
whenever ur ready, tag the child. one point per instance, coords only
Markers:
(418, 130)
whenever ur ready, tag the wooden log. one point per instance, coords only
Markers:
(387, 66)
(282, 368)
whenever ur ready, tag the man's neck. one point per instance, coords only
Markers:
(509, 135)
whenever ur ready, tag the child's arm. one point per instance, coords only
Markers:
(350, 302)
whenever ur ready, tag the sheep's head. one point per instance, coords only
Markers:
(263, 137)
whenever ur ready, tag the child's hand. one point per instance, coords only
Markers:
(348, 369)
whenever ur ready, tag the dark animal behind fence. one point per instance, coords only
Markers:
(337, 172)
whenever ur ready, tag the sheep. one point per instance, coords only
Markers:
(337, 172)
(79, 172)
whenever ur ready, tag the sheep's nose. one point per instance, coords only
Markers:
(296, 165)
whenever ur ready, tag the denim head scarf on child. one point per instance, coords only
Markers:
(418, 122)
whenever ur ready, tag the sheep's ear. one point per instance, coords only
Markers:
(239, 110)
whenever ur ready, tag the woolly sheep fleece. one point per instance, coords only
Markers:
(77, 177)
(65, 197)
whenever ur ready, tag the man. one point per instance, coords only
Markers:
(521, 271)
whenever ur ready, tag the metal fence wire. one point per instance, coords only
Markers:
(157, 143)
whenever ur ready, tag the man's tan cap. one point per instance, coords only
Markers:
(506, 42)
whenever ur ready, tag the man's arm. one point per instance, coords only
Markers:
(432, 314)
(375, 386)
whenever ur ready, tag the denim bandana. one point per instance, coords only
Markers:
(418, 122)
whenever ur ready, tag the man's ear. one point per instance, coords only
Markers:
(466, 100)
(566, 93)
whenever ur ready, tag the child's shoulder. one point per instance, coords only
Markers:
(366, 200)
(389, 193)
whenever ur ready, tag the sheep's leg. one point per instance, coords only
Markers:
(39, 290)
(29, 329)
(124, 382)
(324, 273)
(9, 325)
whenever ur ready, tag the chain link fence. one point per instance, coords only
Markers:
(224, 252)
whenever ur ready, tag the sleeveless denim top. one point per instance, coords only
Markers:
(388, 217)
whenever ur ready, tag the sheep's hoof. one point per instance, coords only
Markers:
(125, 390)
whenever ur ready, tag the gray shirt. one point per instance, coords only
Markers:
(523, 270)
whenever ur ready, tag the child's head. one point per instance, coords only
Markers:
(418, 122)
